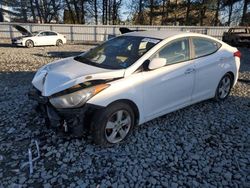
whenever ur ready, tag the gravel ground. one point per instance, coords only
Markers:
(204, 145)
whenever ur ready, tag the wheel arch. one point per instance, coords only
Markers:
(232, 76)
(132, 105)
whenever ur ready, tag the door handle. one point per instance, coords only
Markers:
(189, 70)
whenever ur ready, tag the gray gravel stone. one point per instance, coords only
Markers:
(174, 185)
(204, 145)
(47, 185)
(228, 176)
(152, 180)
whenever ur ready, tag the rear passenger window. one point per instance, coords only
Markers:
(204, 47)
(175, 52)
(51, 33)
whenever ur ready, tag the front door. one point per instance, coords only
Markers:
(42, 39)
(170, 87)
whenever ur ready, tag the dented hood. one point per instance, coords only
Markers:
(65, 73)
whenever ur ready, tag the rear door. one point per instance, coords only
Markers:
(207, 64)
(51, 37)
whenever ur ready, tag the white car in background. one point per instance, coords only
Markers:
(132, 79)
(38, 38)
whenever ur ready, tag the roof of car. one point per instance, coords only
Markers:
(155, 34)
(39, 31)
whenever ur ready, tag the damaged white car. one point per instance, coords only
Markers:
(37, 38)
(132, 79)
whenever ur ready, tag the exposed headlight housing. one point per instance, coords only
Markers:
(78, 98)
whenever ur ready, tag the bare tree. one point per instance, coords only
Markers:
(103, 12)
(216, 20)
(77, 11)
(1, 16)
(70, 11)
(229, 4)
(188, 4)
(140, 13)
(151, 13)
(244, 13)
(83, 12)
(114, 12)
(96, 12)
(38, 11)
(165, 8)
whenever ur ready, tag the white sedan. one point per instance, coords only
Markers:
(38, 38)
(132, 79)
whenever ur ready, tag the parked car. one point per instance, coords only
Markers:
(237, 36)
(38, 38)
(132, 79)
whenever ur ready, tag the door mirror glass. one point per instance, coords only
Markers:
(157, 63)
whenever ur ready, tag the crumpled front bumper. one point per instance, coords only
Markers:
(72, 120)
(16, 42)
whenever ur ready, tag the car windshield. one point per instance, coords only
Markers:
(118, 53)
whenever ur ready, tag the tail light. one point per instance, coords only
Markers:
(237, 54)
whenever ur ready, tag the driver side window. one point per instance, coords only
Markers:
(175, 52)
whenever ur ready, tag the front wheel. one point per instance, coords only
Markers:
(29, 44)
(113, 124)
(224, 87)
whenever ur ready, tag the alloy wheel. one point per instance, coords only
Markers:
(118, 126)
(224, 87)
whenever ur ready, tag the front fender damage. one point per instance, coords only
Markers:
(75, 121)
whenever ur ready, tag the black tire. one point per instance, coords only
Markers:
(29, 44)
(219, 96)
(59, 42)
(100, 131)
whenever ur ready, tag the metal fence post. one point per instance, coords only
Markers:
(30, 26)
(11, 31)
(114, 30)
(95, 33)
(71, 34)
(206, 30)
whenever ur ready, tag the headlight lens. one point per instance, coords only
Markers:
(78, 98)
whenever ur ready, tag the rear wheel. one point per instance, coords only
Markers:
(59, 42)
(224, 87)
(29, 44)
(113, 124)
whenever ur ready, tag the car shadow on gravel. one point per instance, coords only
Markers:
(59, 54)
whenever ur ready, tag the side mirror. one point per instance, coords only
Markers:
(157, 63)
